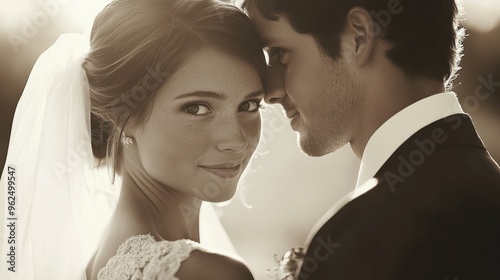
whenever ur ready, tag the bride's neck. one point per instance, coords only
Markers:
(150, 207)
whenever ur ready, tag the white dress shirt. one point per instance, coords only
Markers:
(387, 139)
(396, 130)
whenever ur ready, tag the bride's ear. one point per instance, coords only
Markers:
(360, 35)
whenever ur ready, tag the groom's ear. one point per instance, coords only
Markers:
(360, 35)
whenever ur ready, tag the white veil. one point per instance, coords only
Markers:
(59, 202)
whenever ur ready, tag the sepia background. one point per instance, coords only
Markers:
(283, 192)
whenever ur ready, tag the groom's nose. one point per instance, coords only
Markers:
(275, 83)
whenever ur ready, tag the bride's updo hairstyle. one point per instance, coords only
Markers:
(136, 45)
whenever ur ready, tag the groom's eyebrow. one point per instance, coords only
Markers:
(271, 41)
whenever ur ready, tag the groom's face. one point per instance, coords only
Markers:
(319, 94)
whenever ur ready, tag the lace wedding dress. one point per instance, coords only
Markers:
(142, 257)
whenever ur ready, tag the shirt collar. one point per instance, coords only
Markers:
(395, 131)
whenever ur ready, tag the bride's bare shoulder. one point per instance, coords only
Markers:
(210, 266)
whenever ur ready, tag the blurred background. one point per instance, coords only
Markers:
(284, 192)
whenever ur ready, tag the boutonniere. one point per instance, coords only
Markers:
(288, 264)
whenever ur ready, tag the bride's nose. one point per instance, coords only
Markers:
(231, 137)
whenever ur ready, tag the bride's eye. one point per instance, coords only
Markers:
(250, 106)
(197, 109)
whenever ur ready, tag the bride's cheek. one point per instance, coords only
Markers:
(252, 131)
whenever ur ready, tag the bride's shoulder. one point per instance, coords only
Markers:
(185, 259)
(207, 265)
(190, 260)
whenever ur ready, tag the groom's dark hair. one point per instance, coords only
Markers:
(425, 34)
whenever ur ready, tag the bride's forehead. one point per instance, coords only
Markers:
(211, 60)
(215, 71)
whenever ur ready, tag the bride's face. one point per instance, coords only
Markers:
(204, 126)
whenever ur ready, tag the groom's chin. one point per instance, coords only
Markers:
(317, 147)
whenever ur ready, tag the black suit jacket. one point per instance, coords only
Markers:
(435, 214)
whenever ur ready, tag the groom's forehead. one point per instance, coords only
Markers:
(271, 31)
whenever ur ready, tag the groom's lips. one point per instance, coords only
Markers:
(291, 114)
(290, 109)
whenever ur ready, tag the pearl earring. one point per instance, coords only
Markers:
(127, 141)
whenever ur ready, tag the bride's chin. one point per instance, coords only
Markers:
(225, 194)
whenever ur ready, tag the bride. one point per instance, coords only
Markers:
(167, 99)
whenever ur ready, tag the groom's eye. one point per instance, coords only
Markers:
(276, 54)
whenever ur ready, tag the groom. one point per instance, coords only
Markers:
(376, 74)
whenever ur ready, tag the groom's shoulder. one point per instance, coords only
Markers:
(442, 157)
(451, 179)
(211, 266)
(458, 187)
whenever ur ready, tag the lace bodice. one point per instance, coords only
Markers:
(142, 257)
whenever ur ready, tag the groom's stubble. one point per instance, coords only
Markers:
(338, 100)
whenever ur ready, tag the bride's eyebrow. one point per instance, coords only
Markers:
(216, 95)
(203, 94)
(255, 93)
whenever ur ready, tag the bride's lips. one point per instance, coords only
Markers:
(223, 170)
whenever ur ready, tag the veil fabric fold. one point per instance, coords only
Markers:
(62, 200)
